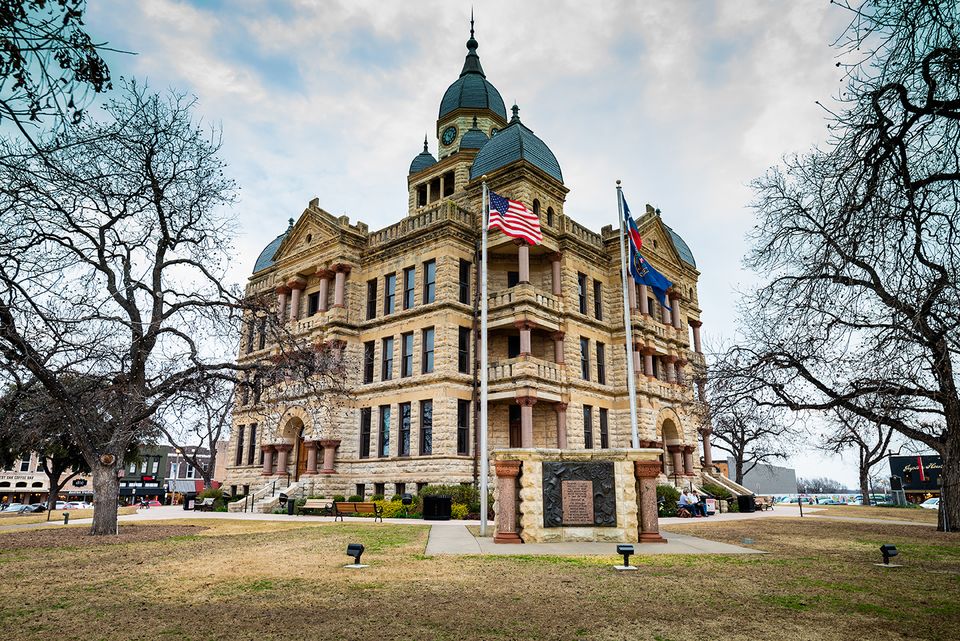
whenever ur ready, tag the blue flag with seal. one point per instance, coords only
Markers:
(642, 271)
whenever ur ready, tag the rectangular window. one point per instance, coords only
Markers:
(262, 333)
(368, 360)
(384, 430)
(514, 421)
(549, 216)
(598, 300)
(361, 490)
(406, 354)
(365, 419)
(251, 333)
(371, 298)
(426, 354)
(429, 281)
(133, 467)
(588, 427)
(513, 279)
(379, 488)
(386, 359)
(143, 466)
(463, 350)
(582, 291)
(513, 346)
(25, 464)
(601, 363)
(252, 446)
(404, 448)
(463, 427)
(426, 427)
(465, 266)
(604, 432)
(389, 292)
(313, 303)
(409, 277)
(585, 359)
(156, 465)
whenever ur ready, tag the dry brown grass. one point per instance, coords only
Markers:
(917, 515)
(261, 580)
(58, 516)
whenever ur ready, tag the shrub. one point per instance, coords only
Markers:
(339, 498)
(459, 511)
(732, 505)
(215, 493)
(376, 497)
(467, 495)
(669, 496)
(717, 491)
(396, 498)
(321, 496)
(355, 498)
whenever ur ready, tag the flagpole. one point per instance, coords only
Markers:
(484, 462)
(631, 380)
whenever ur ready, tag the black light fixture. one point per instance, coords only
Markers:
(283, 499)
(355, 550)
(888, 551)
(406, 499)
(627, 551)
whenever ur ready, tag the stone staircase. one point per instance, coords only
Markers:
(265, 499)
(735, 488)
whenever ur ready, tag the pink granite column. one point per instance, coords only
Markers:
(340, 284)
(325, 276)
(671, 370)
(644, 302)
(695, 324)
(676, 451)
(675, 304)
(632, 293)
(647, 473)
(558, 346)
(555, 266)
(311, 447)
(506, 517)
(648, 363)
(637, 359)
(296, 286)
(525, 344)
(283, 456)
(678, 369)
(707, 448)
(282, 292)
(561, 410)
(329, 450)
(688, 460)
(268, 451)
(665, 315)
(523, 256)
(526, 420)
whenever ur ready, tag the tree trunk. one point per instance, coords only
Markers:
(55, 487)
(106, 488)
(739, 470)
(948, 519)
(865, 486)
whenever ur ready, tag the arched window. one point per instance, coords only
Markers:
(536, 207)
(4, 483)
(37, 484)
(21, 484)
(549, 216)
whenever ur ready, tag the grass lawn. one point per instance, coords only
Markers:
(58, 516)
(261, 580)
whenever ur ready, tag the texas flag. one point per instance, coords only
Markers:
(642, 271)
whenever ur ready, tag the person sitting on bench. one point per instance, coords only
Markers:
(698, 506)
(685, 503)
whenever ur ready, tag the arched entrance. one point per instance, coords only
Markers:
(292, 433)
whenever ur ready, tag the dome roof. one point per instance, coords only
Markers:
(514, 143)
(422, 160)
(474, 138)
(682, 248)
(471, 89)
(265, 259)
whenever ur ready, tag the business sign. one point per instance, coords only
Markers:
(919, 473)
(79, 482)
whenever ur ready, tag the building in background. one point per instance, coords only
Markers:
(25, 482)
(767, 479)
(920, 475)
(144, 477)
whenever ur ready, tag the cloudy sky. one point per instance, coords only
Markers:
(686, 102)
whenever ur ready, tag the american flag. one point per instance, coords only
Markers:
(513, 219)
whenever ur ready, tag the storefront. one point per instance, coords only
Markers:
(920, 475)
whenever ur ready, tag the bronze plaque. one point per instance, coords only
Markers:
(577, 499)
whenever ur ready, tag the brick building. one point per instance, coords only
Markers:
(403, 302)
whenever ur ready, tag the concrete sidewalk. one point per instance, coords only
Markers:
(452, 538)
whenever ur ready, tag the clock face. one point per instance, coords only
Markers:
(494, 132)
(449, 134)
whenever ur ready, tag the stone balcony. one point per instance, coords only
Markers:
(524, 302)
(506, 376)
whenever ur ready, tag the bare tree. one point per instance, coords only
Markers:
(870, 441)
(195, 421)
(858, 242)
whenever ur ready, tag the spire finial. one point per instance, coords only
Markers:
(425, 142)
(471, 22)
(516, 113)
(290, 224)
(475, 121)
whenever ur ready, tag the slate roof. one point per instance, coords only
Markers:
(265, 259)
(474, 138)
(422, 160)
(472, 89)
(682, 248)
(516, 142)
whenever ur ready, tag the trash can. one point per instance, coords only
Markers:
(291, 505)
(746, 503)
(437, 508)
(188, 500)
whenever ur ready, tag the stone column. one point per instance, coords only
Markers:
(525, 345)
(665, 315)
(557, 282)
(632, 293)
(311, 447)
(340, 284)
(647, 473)
(558, 346)
(707, 449)
(523, 256)
(526, 420)
(329, 450)
(325, 276)
(675, 314)
(695, 324)
(702, 391)
(688, 459)
(644, 303)
(648, 363)
(296, 286)
(268, 451)
(506, 523)
(637, 359)
(282, 292)
(283, 455)
(561, 409)
(678, 368)
(676, 452)
(671, 370)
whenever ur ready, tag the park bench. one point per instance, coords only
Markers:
(322, 505)
(206, 505)
(347, 507)
(762, 504)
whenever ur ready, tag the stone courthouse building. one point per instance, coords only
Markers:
(403, 303)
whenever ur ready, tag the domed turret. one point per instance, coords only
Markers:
(472, 90)
(265, 259)
(422, 160)
(516, 142)
(474, 138)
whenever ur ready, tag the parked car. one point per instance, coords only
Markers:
(38, 507)
(931, 504)
(77, 505)
(13, 507)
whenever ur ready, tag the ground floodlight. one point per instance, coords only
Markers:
(406, 499)
(626, 551)
(282, 498)
(888, 551)
(355, 550)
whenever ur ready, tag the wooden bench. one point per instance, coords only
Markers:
(339, 509)
(322, 505)
(206, 505)
(762, 504)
